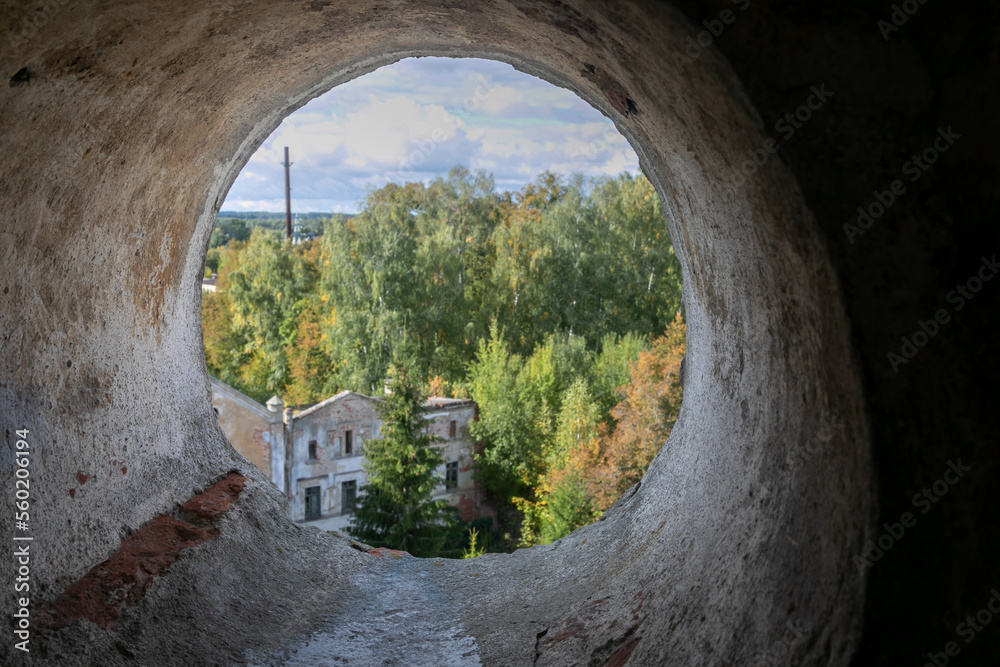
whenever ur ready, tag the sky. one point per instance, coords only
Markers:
(415, 120)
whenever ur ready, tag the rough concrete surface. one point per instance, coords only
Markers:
(124, 124)
(403, 615)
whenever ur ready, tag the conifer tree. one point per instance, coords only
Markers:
(397, 509)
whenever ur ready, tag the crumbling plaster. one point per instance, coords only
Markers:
(122, 137)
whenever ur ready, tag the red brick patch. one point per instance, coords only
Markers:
(622, 655)
(382, 551)
(124, 578)
(216, 499)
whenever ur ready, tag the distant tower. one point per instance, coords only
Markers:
(288, 197)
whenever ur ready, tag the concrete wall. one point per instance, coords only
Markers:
(126, 123)
(133, 122)
(252, 430)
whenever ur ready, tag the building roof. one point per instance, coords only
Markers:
(432, 402)
(444, 402)
(247, 402)
(333, 399)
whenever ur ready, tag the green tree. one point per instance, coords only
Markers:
(224, 348)
(229, 229)
(587, 258)
(539, 389)
(639, 280)
(212, 261)
(312, 376)
(610, 371)
(577, 423)
(511, 458)
(396, 509)
(563, 502)
(266, 291)
(568, 507)
(404, 279)
(368, 279)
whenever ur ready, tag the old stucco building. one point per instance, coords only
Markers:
(324, 473)
(255, 431)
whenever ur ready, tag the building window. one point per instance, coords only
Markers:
(312, 450)
(312, 503)
(452, 429)
(451, 475)
(348, 443)
(348, 496)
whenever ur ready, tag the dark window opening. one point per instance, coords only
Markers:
(452, 429)
(348, 496)
(349, 442)
(451, 474)
(312, 502)
(312, 450)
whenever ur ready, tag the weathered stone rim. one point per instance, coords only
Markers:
(731, 534)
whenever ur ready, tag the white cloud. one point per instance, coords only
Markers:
(499, 98)
(418, 118)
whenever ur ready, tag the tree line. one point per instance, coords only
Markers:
(238, 225)
(556, 308)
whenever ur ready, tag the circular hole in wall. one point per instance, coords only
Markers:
(531, 248)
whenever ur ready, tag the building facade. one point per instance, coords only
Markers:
(255, 431)
(326, 471)
(317, 456)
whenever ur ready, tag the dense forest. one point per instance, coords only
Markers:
(556, 308)
(238, 225)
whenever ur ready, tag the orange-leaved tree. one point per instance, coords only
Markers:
(592, 463)
(650, 405)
